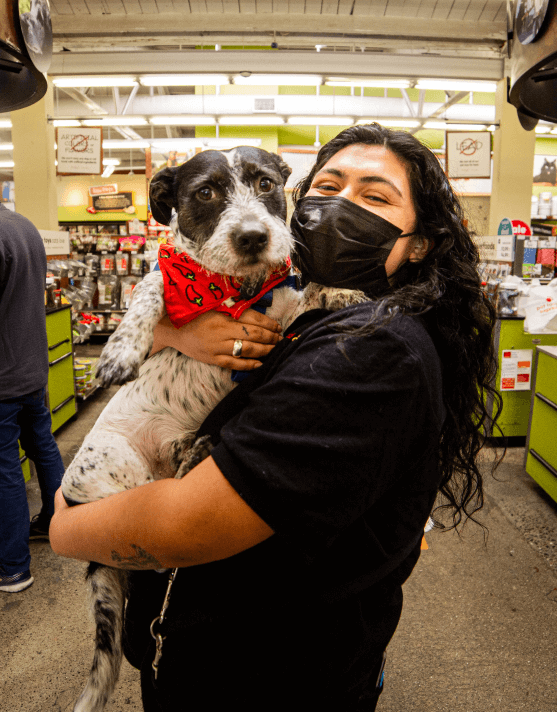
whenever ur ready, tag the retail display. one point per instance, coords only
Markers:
(61, 390)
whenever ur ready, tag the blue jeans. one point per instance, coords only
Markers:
(27, 419)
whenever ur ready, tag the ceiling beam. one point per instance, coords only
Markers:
(276, 24)
(384, 64)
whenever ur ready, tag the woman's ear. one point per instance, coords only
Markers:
(421, 246)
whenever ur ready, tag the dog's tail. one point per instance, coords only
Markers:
(107, 589)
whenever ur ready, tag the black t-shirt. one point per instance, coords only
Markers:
(337, 451)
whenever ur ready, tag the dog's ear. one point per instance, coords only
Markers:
(162, 195)
(283, 167)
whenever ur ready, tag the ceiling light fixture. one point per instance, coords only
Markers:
(76, 82)
(108, 171)
(298, 80)
(183, 80)
(372, 83)
(119, 144)
(456, 85)
(7, 164)
(5, 124)
(116, 121)
(395, 123)
(111, 161)
(6, 147)
(251, 120)
(66, 123)
(183, 120)
(321, 120)
(443, 125)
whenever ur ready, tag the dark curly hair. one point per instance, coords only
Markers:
(446, 289)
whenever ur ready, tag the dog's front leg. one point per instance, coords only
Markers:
(131, 343)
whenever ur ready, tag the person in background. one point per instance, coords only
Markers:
(294, 536)
(24, 416)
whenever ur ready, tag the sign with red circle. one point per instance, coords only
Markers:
(520, 228)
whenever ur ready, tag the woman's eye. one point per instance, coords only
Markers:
(375, 199)
(205, 193)
(266, 185)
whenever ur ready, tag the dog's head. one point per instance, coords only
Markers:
(231, 209)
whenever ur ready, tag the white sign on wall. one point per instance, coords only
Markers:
(516, 369)
(468, 154)
(56, 242)
(79, 151)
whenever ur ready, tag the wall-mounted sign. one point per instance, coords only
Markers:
(468, 154)
(117, 202)
(56, 242)
(79, 151)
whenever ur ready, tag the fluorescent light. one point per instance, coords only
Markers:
(251, 120)
(183, 80)
(108, 171)
(163, 145)
(543, 128)
(298, 80)
(66, 123)
(321, 120)
(191, 120)
(111, 161)
(85, 81)
(7, 164)
(132, 143)
(116, 121)
(395, 123)
(456, 85)
(443, 125)
(5, 124)
(6, 146)
(374, 83)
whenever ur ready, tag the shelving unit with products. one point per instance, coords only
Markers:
(106, 262)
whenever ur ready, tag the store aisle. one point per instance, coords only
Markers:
(478, 629)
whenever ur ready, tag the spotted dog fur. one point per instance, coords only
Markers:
(228, 212)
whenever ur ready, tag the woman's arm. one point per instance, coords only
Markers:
(210, 338)
(163, 524)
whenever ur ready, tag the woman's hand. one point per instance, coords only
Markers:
(210, 338)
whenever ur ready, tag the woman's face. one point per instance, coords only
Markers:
(375, 179)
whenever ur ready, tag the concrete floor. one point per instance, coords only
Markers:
(478, 631)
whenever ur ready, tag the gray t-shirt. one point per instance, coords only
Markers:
(23, 342)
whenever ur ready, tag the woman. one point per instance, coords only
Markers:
(308, 514)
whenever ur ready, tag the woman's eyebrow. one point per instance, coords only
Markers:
(362, 179)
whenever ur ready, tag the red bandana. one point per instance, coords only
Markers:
(191, 290)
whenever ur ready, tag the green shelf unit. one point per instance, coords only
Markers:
(510, 336)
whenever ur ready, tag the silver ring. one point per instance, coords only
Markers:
(237, 348)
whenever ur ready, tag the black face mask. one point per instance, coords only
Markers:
(340, 244)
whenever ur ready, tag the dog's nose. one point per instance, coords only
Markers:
(251, 238)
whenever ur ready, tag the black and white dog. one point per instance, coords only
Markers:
(230, 213)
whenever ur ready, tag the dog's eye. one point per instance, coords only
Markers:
(205, 193)
(266, 185)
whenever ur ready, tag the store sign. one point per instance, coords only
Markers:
(521, 228)
(79, 151)
(468, 154)
(516, 370)
(117, 202)
(495, 248)
(103, 189)
(56, 242)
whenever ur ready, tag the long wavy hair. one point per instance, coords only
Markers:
(446, 289)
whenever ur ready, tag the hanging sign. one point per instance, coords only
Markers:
(468, 154)
(103, 189)
(516, 370)
(56, 242)
(113, 202)
(79, 151)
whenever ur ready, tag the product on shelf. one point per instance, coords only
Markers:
(127, 287)
(109, 295)
(122, 263)
(137, 263)
(108, 262)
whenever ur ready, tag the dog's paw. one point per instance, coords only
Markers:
(197, 453)
(118, 364)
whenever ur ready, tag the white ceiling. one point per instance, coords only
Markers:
(465, 39)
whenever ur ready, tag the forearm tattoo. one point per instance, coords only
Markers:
(141, 560)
